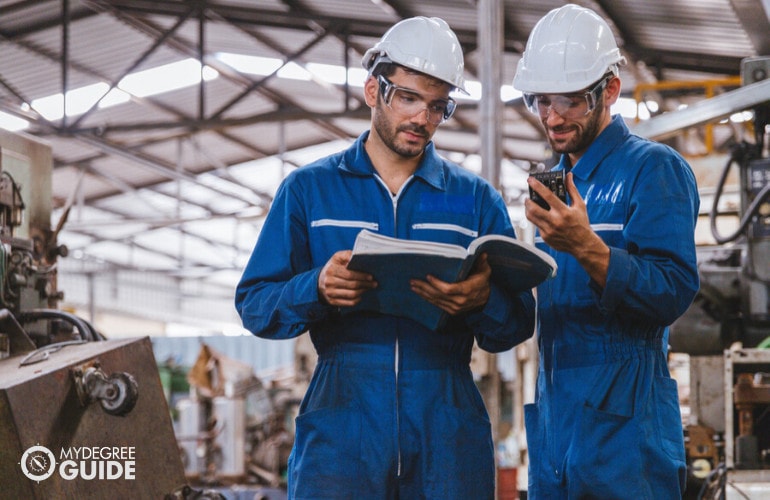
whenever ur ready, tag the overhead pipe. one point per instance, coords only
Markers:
(669, 124)
(709, 87)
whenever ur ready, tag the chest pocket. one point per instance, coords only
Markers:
(445, 218)
(330, 235)
(607, 211)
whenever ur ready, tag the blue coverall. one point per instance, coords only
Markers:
(392, 410)
(605, 423)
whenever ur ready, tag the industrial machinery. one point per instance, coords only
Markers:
(80, 416)
(234, 429)
(28, 250)
(726, 331)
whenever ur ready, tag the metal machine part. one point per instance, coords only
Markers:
(29, 251)
(192, 444)
(240, 438)
(703, 450)
(117, 393)
(747, 425)
(93, 450)
(732, 458)
(230, 441)
(237, 430)
(187, 493)
(747, 386)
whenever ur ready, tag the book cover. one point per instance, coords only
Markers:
(516, 266)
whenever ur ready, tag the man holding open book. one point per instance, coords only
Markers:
(392, 410)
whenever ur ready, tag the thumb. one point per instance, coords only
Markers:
(342, 257)
(572, 189)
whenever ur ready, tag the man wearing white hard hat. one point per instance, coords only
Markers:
(392, 410)
(605, 422)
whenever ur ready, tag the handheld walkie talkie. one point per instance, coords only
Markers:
(553, 181)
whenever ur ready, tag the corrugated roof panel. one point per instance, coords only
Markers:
(218, 36)
(296, 134)
(69, 150)
(22, 16)
(135, 111)
(34, 75)
(229, 198)
(147, 207)
(111, 47)
(122, 171)
(215, 150)
(698, 26)
(330, 49)
(67, 182)
(102, 47)
(353, 9)
(259, 174)
(454, 12)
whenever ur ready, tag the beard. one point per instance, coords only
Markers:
(583, 133)
(389, 133)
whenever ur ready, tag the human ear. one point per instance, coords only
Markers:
(371, 89)
(612, 91)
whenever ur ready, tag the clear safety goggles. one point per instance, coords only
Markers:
(568, 106)
(408, 102)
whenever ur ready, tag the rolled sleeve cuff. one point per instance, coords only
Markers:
(618, 276)
(496, 309)
(308, 305)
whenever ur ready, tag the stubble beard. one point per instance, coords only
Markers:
(389, 134)
(583, 135)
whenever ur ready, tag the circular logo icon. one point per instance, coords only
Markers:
(38, 463)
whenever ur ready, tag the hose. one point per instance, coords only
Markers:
(737, 156)
(87, 332)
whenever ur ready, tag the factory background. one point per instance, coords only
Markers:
(151, 180)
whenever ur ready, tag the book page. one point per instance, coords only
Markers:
(374, 243)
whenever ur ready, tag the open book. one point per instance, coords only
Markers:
(516, 266)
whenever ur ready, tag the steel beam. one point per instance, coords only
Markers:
(716, 108)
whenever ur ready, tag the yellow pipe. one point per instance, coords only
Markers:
(708, 86)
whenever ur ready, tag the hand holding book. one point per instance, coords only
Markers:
(516, 266)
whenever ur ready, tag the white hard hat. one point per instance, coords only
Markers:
(569, 49)
(424, 44)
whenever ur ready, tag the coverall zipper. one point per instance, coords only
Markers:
(394, 201)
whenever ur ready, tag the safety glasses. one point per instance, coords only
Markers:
(408, 102)
(568, 106)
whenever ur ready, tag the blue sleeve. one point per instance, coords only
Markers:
(507, 319)
(656, 276)
(277, 296)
